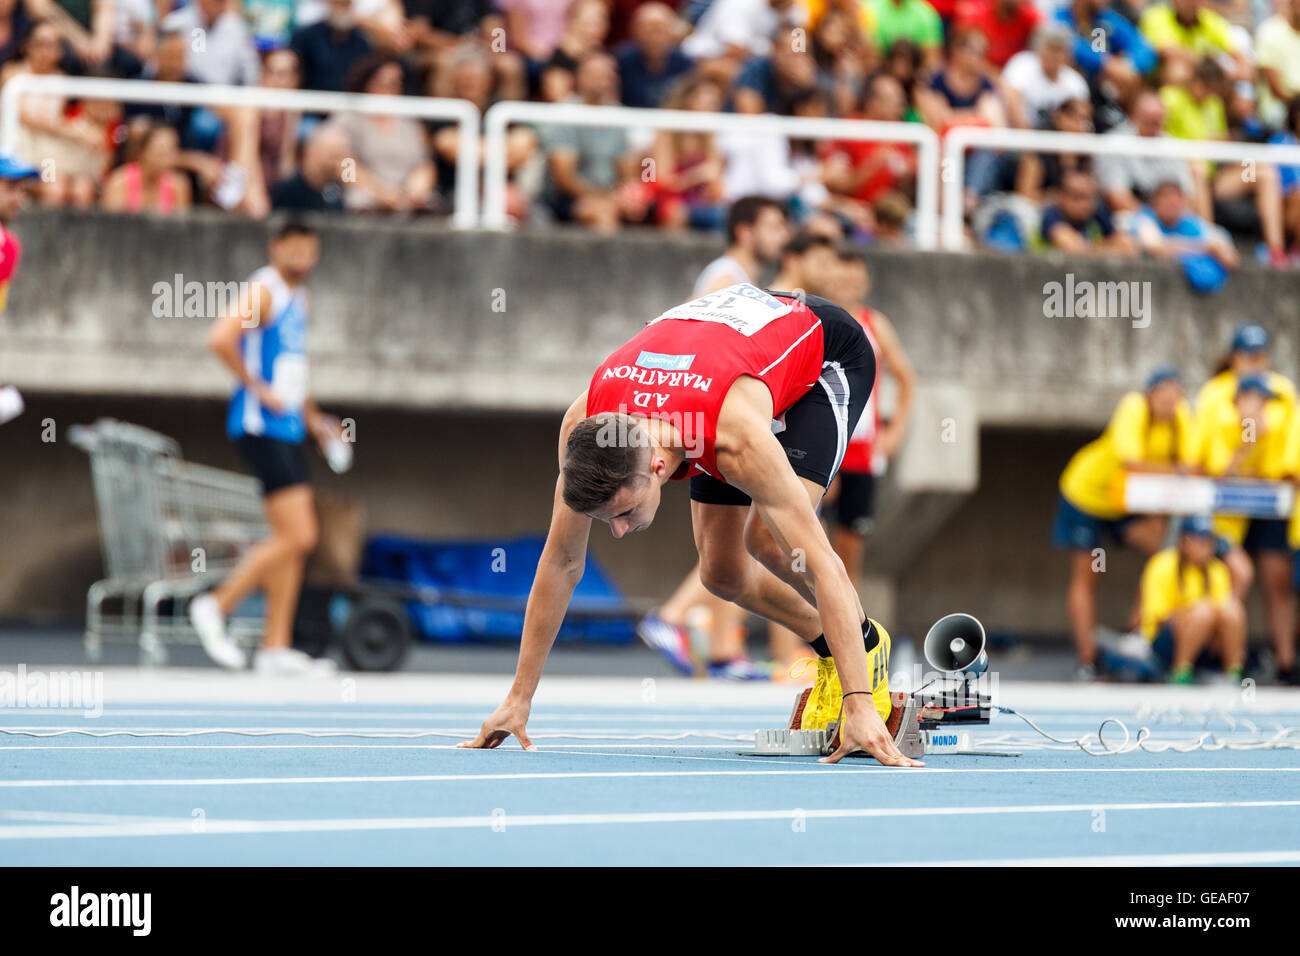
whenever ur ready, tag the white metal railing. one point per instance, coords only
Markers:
(500, 116)
(963, 138)
(464, 112)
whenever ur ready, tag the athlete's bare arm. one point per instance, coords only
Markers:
(226, 331)
(754, 461)
(563, 560)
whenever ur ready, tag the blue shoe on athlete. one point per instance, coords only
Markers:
(739, 668)
(668, 639)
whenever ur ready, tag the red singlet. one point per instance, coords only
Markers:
(680, 366)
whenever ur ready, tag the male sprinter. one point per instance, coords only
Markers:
(15, 178)
(752, 395)
(262, 340)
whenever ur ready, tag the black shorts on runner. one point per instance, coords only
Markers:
(277, 464)
(856, 504)
(818, 426)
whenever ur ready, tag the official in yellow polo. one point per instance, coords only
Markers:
(1189, 613)
(1250, 441)
(1152, 430)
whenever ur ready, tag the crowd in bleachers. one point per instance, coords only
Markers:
(1198, 69)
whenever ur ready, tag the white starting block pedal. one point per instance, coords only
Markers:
(789, 743)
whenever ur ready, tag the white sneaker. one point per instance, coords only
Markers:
(208, 621)
(287, 662)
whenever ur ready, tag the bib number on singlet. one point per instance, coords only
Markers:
(744, 307)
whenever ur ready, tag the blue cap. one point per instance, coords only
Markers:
(1199, 525)
(1249, 337)
(11, 167)
(1255, 383)
(1168, 372)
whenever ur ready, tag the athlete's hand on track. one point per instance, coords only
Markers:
(862, 729)
(510, 718)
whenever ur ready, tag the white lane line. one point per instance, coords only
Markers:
(211, 826)
(681, 745)
(57, 817)
(357, 712)
(1140, 859)
(775, 771)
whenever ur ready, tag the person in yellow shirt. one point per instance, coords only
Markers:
(1149, 431)
(1250, 441)
(1185, 31)
(1189, 613)
(1249, 354)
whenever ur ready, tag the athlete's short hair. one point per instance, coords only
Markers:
(293, 227)
(804, 241)
(600, 457)
(746, 210)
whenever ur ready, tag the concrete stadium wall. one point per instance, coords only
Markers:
(433, 339)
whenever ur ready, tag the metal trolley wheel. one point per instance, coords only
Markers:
(377, 635)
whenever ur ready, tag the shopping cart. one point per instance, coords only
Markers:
(169, 529)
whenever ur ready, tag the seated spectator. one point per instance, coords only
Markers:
(586, 166)
(1079, 223)
(1288, 178)
(866, 171)
(227, 54)
(1039, 80)
(75, 147)
(134, 32)
(151, 181)
(843, 55)
(652, 59)
(903, 63)
(1006, 25)
(85, 27)
(330, 50)
(393, 168)
(961, 94)
(1277, 52)
(437, 26)
(733, 31)
(1120, 56)
(167, 65)
(318, 185)
(913, 20)
(1129, 181)
(277, 139)
(688, 166)
(773, 83)
(535, 26)
(382, 21)
(1167, 229)
(1195, 110)
(1184, 32)
(585, 29)
(1188, 610)
(1039, 175)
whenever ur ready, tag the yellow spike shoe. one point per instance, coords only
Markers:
(817, 706)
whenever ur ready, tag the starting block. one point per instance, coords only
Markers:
(920, 726)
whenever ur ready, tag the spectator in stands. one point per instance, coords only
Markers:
(393, 169)
(226, 53)
(903, 63)
(1129, 181)
(1195, 110)
(913, 20)
(733, 31)
(1277, 51)
(1168, 229)
(14, 25)
(535, 26)
(622, 18)
(652, 59)
(318, 186)
(773, 83)
(843, 55)
(86, 26)
(168, 66)
(1184, 32)
(1188, 610)
(961, 94)
(1039, 175)
(330, 50)
(585, 30)
(1006, 25)
(1078, 222)
(688, 166)
(437, 26)
(1120, 56)
(866, 171)
(1037, 81)
(586, 165)
(151, 181)
(134, 33)
(74, 147)
(277, 140)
